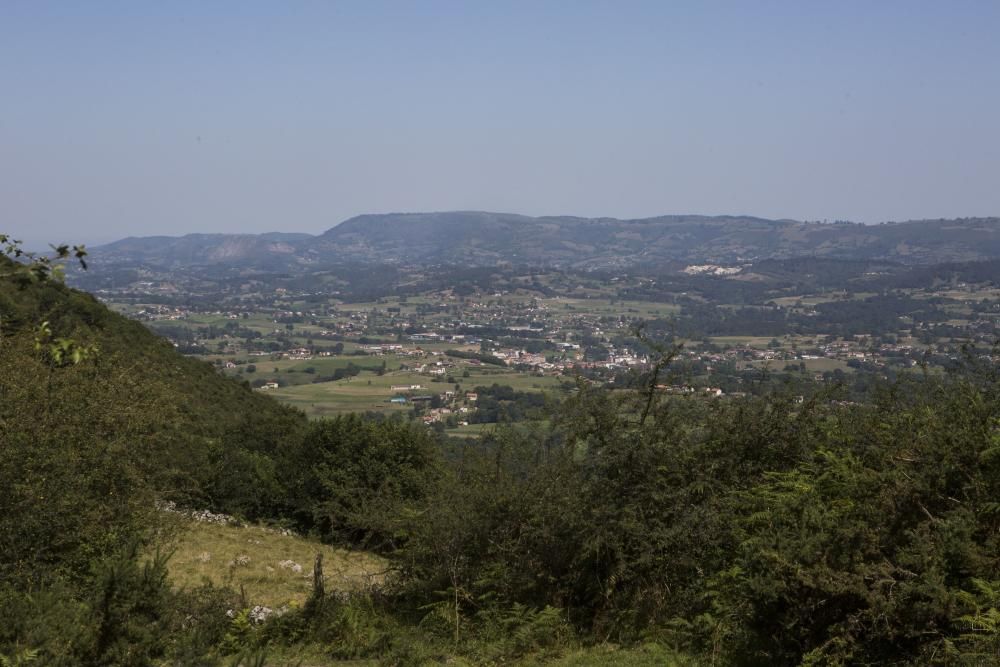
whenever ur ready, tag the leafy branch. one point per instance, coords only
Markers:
(36, 267)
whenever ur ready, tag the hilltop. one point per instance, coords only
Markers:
(476, 238)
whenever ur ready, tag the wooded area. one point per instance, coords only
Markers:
(769, 530)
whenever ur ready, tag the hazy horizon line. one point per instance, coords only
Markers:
(36, 243)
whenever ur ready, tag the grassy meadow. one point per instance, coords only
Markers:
(273, 569)
(369, 391)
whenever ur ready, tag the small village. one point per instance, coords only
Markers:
(426, 355)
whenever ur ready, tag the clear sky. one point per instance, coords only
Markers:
(135, 118)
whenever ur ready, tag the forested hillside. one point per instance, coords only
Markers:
(478, 238)
(188, 422)
(767, 530)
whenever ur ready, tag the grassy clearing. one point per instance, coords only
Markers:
(207, 551)
(332, 398)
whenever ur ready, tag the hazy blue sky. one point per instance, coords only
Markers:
(129, 118)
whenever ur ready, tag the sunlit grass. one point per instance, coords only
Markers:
(272, 569)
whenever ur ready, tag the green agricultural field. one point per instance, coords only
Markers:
(753, 341)
(826, 297)
(326, 365)
(807, 299)
(603, 306)
(371, 392)
(206, 319)
(519, 381)
(358, 394)
(823, 365)
(296, 371)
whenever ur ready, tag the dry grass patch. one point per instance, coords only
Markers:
(273, 569)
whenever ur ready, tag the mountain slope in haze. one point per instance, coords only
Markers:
(476, 238)
(273, 250)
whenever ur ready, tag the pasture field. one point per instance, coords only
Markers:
(604, 306)
(753, 341)
(358, 394)
(369, 391)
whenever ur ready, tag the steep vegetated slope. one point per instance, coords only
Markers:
(200, 429)
(101, 422)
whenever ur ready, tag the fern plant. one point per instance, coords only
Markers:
(28, 656)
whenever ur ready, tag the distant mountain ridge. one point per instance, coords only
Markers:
(479, 238)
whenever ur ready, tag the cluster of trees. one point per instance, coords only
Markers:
(478, 356)
(757, 532)
(348, 371)
(503, 404)
(875, 315)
